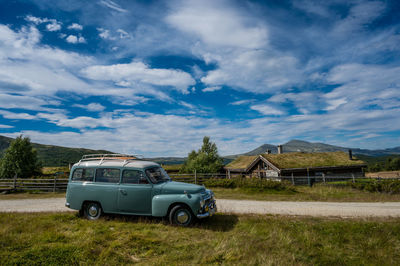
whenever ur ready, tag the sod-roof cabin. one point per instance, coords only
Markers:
(297, 164)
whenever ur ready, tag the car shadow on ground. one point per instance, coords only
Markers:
(219, 222)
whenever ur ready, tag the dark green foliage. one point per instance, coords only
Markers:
(253, 184)
(383, 163)
(53, 155)
(20, 159)
(205, 160)
(385, 186)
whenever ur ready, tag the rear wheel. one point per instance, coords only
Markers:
(92, 210)
(180, 215)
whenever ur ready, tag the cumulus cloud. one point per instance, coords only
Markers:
(53, 24)
(75, 26)
(130, 74)
(105, 34)
(75, 39)
(214, 22)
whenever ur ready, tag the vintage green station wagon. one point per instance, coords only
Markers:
(122, 184)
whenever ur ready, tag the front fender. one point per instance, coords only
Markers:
(161, 203)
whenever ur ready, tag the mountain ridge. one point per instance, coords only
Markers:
(53, 155)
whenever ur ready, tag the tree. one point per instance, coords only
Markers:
(205, 160)
(20, 159)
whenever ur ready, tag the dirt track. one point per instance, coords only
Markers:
(338, 209)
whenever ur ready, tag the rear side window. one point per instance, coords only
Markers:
(108, 175)
(133, 177)
(83, 174)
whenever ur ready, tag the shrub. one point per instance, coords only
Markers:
(252, 184)
(385, 186)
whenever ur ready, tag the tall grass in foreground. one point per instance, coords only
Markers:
(35, 239)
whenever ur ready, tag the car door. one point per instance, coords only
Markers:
(105, 188)
(135, 193)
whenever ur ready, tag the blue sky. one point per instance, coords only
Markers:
(154, 77)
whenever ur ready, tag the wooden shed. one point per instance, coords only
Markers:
(296, 164)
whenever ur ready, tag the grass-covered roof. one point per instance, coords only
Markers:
(299, 160)
(309, 160)
(241, 162)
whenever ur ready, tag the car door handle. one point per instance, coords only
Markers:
(123, 192)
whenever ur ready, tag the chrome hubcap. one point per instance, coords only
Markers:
(92, 211)
(182, 217)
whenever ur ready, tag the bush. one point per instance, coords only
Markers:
(252, 184)
(383, 186)
(20, 159)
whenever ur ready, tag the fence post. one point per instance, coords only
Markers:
(195, 176)
(354, 179)
(308, 178)
(15, 182)
(55, 183)
(323, 177)
(229, 173)
(292, 179)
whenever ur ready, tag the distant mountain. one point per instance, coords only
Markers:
(52, 155)
(305, 146)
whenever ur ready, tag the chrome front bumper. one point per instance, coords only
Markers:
(209, 210)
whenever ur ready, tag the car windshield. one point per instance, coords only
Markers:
(157, 175)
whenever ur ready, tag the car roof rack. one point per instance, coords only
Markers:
(109, 157)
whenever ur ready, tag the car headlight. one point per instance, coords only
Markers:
(202, 202)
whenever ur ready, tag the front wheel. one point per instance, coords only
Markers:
(92, 210)
(180, 215)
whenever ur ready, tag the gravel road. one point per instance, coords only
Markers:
(338, 209)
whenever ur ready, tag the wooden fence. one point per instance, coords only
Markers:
(60, 184)
(17, 184)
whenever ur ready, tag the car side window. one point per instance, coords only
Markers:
(83, 174)
(108, 175)
(133, 177)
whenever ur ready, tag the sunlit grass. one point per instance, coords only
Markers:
(31, 239)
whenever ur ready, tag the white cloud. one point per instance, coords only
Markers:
(53, 24)
(131, 74)
(267, 110)
(113, 6)
(218, 24)
(105, 34)
(5, 126)
(94, 107)
(75, 39)
(237, 42)
(20, 116)
(241, 102)
(75, 26)
(123, 34)
(210, 89)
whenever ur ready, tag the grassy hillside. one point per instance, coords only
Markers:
(53, 155)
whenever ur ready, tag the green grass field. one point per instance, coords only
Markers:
(318, 192)
(58, 239)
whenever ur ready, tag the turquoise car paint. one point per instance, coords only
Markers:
(135, 198)
(179, 187)
(148, 198)
(161, 203)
